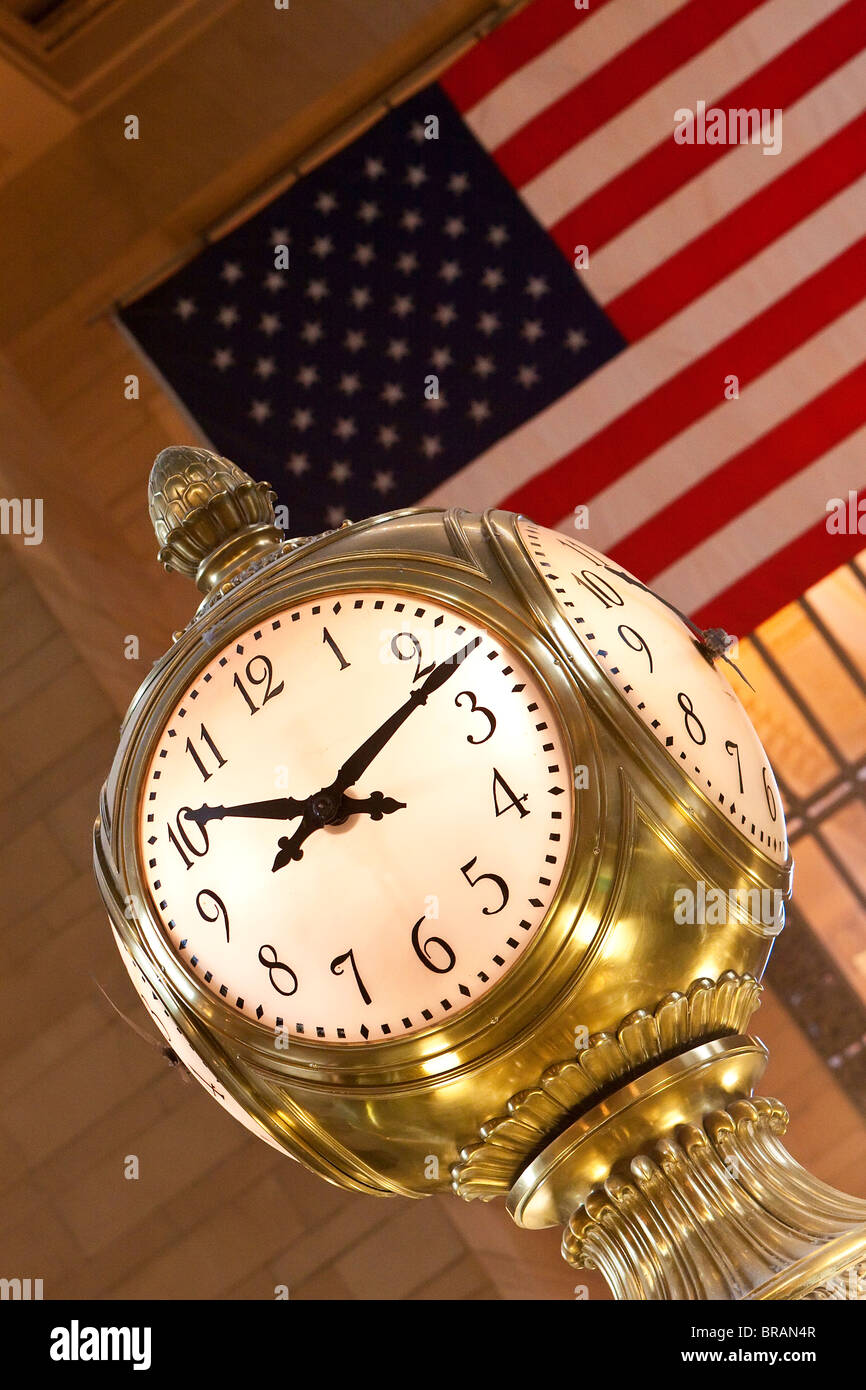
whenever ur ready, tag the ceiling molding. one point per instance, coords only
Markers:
(85, 52)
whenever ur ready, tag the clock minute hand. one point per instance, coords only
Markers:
(361, 759)
(277, 808)
(331, 802)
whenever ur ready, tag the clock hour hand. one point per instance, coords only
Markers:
(277, 808)
(375, 806)
(290, 848)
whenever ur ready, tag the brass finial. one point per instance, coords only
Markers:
(209, 516)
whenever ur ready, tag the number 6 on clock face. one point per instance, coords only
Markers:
(356, 817)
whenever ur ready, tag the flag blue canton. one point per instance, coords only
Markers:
(424, 314)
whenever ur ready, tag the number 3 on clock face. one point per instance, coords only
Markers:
(651, 656)
(354, 821)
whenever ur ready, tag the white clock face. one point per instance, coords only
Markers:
(653, 659)
(356, 818)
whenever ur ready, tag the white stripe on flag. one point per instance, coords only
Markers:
(726, 185)
(569, 61)
(698, 451)
(640, 369)
(618, 144)
(759, 532)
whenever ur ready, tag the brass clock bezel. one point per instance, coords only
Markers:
(549, 965)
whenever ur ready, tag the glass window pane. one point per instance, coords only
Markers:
(832, 910)
(819, 678)
(796, 753)
(840, 601)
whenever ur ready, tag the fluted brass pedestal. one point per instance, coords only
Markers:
(667, 1207)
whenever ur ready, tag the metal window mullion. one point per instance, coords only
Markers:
(834, 644)
(799, 701)
(840, 866)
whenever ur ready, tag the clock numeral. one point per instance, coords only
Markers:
(184, 843)
(265, 679)
(477, 709)
(337, 969)
(691, 719)
(206, 738)
(602, 588)
(276, 964)
(326, 637)
(733, 748)
(499, 781)
(768, 792)
(641, 644)
(421, 949)
(216, 901)
(408, 656)
(494, 878)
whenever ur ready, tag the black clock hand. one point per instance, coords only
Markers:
(360, 760)
(630, 579)
(288, 807)
(376, 806)
(278, 808)
(326, 806)
(290, 848)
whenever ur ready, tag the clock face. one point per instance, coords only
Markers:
(651, 656)
(356, 818)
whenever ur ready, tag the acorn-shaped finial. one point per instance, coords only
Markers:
(209, 515)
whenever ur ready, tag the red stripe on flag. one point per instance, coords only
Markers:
(515, 43)
(748, 476)
(694, 390)
(668, 166)
(781, 577)
(615, 85)
(740, 235)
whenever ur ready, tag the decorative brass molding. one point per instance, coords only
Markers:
(708, 1009)
(720, 1211)
(209, 516)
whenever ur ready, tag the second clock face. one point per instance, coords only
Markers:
(356, 818)
(686, 702)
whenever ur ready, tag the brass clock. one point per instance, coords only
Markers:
(390, 848)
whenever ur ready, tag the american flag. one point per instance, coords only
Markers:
(437, 337)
